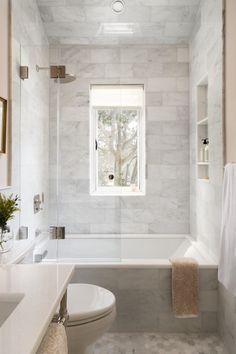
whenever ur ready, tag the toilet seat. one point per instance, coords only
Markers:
(87, 303)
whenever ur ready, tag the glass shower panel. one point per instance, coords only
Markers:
(36, 147)
(92, 223)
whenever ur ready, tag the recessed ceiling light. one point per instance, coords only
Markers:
(117, 28)
(118, 6)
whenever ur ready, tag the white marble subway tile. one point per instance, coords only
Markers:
(170, 323)
(176, 69)
(178, 29)
(104, 55)
(137, 216)
(176, 99)
(171, 14)
(175, 157)
(183, 84)
(99, 14)
(64, 14)
(209, 301)
(73, 98)
(118, 70)
(161, 113)
(183, 112)
(177, 128)
(133, 228)
(74, 128)
(141, 279)
(153, 30)
(155, 69)
(154, 128)
(71, 29)
(161, 143)
(92, 71)
(153, 156)
(165, 54)
(162, 172)
(138, 14)
(74, 54)
(103, 228)
(141, 219)
(140, 69)
(75, 113)
(134, 55)
(153, 99)
(112, 216)
(161, 84)
(183, 55)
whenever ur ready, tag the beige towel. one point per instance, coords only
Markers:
(185, 287)
(55, 340)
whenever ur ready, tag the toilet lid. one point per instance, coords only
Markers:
(86, 301)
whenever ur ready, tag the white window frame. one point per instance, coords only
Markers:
(110, 190)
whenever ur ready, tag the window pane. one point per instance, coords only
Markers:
(118, 147)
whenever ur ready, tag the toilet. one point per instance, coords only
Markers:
(91, 310)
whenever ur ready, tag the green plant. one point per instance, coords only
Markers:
(8, 207)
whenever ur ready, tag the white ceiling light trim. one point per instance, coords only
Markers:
(118, 6)
(118, 28)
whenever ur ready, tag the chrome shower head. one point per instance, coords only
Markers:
(67, 79)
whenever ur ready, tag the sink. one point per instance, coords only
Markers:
(8, 303)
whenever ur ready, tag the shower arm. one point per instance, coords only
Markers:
(39, 68)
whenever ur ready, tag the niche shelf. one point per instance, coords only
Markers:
(202, 127)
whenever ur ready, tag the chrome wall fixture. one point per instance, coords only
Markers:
(56, 71)
(24, 72)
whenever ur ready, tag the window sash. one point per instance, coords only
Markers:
(95, 189)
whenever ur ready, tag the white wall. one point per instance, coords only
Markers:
(230, 81)
(206, 59)
(5, 83)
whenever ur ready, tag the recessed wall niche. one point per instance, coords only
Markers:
(202, 130)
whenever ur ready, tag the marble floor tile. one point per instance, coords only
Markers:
(158, 343)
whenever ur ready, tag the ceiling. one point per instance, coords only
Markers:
(141, 22)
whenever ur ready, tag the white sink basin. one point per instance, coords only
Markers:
(8, 303)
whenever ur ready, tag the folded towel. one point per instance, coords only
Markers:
(185, 287)
(55, 340)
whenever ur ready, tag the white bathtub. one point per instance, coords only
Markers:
(121, 250)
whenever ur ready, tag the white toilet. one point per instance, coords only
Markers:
(91, 310)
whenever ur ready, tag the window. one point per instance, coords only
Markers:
(117, 140)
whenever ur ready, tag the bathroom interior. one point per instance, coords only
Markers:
(117, 177)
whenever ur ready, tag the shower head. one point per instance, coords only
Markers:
(67, 79)
(56, 72)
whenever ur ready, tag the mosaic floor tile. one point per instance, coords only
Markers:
(156, 343)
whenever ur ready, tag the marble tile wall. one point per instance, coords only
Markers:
(30, 113)
(206, 59)
(144, 299)
(162, 22)
(164, 70)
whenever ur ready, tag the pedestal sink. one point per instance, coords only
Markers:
(8, 303)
